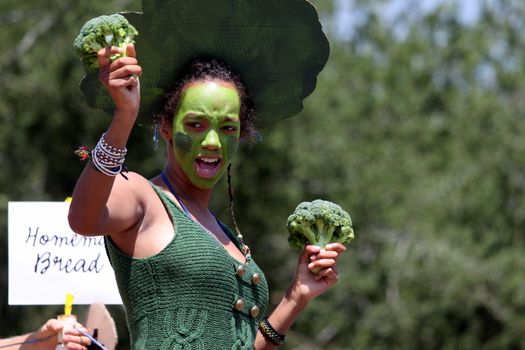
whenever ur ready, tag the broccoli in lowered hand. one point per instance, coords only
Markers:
(319, 222)
(100, 32)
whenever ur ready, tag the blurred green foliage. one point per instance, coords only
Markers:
(416, 128)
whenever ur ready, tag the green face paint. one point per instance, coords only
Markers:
(183, 142)
(206, 131)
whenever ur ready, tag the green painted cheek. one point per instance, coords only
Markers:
(183, 142)
(233, 145)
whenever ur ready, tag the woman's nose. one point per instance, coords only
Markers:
(211, 141)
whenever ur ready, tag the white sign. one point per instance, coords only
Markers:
(47, 259)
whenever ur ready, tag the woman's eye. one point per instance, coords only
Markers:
(229, 128)
(194, 125)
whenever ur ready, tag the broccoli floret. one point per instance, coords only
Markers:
(100, 32)
(319, 222)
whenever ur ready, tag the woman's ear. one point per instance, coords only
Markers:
(165, 129)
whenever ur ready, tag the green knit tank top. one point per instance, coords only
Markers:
(188, 296)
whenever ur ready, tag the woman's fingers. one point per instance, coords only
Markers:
(307, 252)
(81, 343)
(330, 251)
(336, 247)
(328, 274)
(130, 50)
(321, 264)
(103, 55)
(324, 254)
(124, 76)
(121, 68)
(75, 340)
(120, 77)
(125, 71)
(123, 62)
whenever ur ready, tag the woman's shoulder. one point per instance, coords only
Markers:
(133, 181)
(154, 229)
(132, 176)
(136, 188)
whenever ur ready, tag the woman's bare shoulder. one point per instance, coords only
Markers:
(132, 182)
(154, 230)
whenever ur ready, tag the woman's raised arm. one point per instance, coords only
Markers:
(102, 203)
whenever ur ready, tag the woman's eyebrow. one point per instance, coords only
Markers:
(231, 119)
(194, 115)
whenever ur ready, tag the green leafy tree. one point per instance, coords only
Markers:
(416, 129)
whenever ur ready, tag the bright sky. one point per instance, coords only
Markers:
(348, 16)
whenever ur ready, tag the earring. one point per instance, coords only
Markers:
(156, 127)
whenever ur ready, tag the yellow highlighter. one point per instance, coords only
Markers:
(69, 319)
(68, 306)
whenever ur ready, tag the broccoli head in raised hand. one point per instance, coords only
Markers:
(100, 32)
(319, 222)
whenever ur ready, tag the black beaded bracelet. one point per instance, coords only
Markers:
(270, 333)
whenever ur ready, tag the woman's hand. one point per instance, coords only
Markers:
(72, 338)
(120, 78)
(307, 284)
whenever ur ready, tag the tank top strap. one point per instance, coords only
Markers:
(230, 234)
(177, 215)
(174, 211)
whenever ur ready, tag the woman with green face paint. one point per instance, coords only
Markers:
(205, 130)
(186, 280)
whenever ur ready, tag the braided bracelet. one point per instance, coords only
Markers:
(110, 150)
(270, 333)
(107, 159)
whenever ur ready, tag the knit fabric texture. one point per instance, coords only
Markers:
(184, 297)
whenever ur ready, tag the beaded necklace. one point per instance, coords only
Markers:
(240, 270)
(245, 250)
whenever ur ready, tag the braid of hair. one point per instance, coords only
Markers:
(230, 193)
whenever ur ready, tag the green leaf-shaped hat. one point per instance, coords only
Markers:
(277, 46)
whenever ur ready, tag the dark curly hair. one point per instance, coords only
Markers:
(211, 69)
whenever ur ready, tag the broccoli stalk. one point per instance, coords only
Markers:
(319, 222)
(100, 32)
(326, 232)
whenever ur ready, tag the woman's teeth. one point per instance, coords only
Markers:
(209, 160)
(207, 167)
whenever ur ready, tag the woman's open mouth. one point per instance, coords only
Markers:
(207, 166)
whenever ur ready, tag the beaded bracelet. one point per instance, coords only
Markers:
(107, 159)
(110, 150)
(270, 333)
